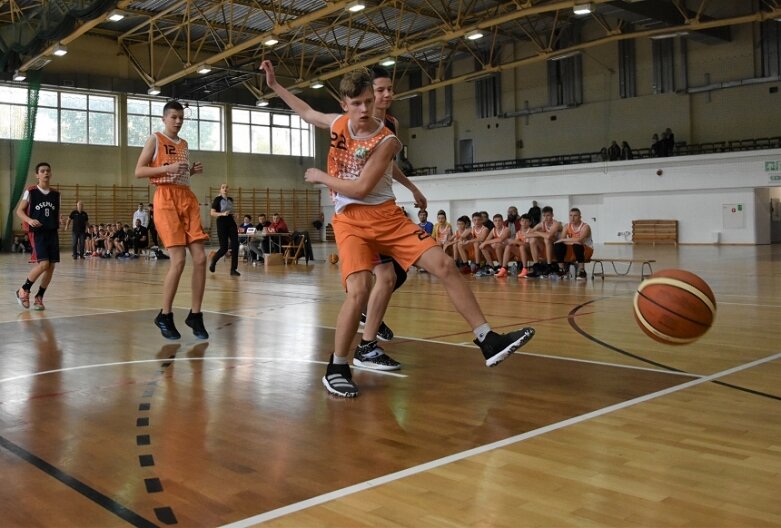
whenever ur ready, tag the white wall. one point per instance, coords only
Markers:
(775, 224)
(691, 189)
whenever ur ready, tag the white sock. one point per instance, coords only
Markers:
(341, 360)
(482, 331)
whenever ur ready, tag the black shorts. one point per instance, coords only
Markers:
(45, 244)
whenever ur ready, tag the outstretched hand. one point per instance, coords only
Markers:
(313, 175)
(267, 67)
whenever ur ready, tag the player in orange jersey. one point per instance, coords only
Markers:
(165, 160)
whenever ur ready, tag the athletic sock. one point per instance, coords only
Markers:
(482, 331)
(41, 291)
(27, 286)
(341, 360)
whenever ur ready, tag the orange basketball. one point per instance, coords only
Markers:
(333, 258)
(674, 306)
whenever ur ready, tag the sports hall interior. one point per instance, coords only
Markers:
(105, 423)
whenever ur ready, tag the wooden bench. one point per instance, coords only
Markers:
(655, 231)
(601, 273)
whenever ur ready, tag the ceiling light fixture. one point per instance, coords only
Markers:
(566, 55)
(204, 69)
(116, 15)
(474, 35)
(153, 90)
(19, 75)
(669, 35)
(261, 102)
(317, 84)
(59, 50)
(354, 7)
(387, 61)
(583, 9)
(271, 41)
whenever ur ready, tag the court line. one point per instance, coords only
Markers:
(350, 490)
(164, 360)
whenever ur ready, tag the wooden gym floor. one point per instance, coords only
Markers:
(104, 423)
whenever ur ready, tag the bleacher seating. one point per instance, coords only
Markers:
(681, 149)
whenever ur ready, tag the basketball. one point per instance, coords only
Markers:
(333, 258)
(674, 307)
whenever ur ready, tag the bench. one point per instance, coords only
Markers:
(655, 231)
(643, 264)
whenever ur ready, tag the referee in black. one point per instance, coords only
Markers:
(227, 230)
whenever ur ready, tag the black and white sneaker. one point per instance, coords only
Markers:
(371, 356)
(498, 347)
(338, 380)
(383, 334)
(581, 275)
(195, 321)
(165, 322)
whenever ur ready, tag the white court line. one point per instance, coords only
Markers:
(338, 494)
(243, 358)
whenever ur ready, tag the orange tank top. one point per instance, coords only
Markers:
(168, 152)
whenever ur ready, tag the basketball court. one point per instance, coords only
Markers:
(104, 423)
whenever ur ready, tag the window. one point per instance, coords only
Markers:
(202, 123)
(626, 68)
(65, 117)
(268, 132)
(663, 57)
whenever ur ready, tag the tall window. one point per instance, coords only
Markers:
(770, 32)
(268, 132)
(62, 116)
(202, 127)
(663, 57)
(626, 68)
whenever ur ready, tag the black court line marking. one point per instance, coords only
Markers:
(166, 515)
(153, 485)
(146, 460)
(123, 512)
(142, 440)
(578, 329)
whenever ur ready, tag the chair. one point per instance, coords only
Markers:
(295, 249)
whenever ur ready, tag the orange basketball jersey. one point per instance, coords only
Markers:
(168, 152)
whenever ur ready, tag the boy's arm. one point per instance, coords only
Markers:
(307, 113)
(420, 199)
(370, 175)
(21, 212)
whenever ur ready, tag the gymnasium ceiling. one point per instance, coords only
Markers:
(168, 41)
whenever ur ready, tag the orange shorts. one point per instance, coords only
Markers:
(363, 231)
(178, 216)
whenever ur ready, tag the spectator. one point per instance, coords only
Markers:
(463, 245)
(513, 220)
(519, 248)
(603, 155)
(479, 234)
(626, 151)
(277, 225)
(669, 142)
(424, 224)
(319, 221)
(80, 220)
(253, 245)
(657, 147)
(544, 235)
(245, 223)
(614, 152)
(451, 246)
(535, 213)
(486, 221)
(443, 232)
(141, 214)
(577, 234)
(492, 247)
(140, 237)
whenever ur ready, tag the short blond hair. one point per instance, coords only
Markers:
(355, 83)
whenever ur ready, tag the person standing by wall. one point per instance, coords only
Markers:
(78, 220)
(227, 230)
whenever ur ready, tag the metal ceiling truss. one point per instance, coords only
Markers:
(168, 42)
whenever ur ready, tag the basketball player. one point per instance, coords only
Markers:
(544, 235)
(367, 221)
(165, 160)
(388, 274)
(39, 210)
(577, 234)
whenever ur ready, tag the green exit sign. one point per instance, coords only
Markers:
(772, 166)
(775, 177)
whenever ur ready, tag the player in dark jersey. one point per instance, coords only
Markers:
(39, 210)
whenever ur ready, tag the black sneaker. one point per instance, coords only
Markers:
(581, 275)
(165, 322)
(383, 334)
(195, 321)
(212, 265)
(498, 347)
(371, 356)
(338, 380)
(235, 273)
